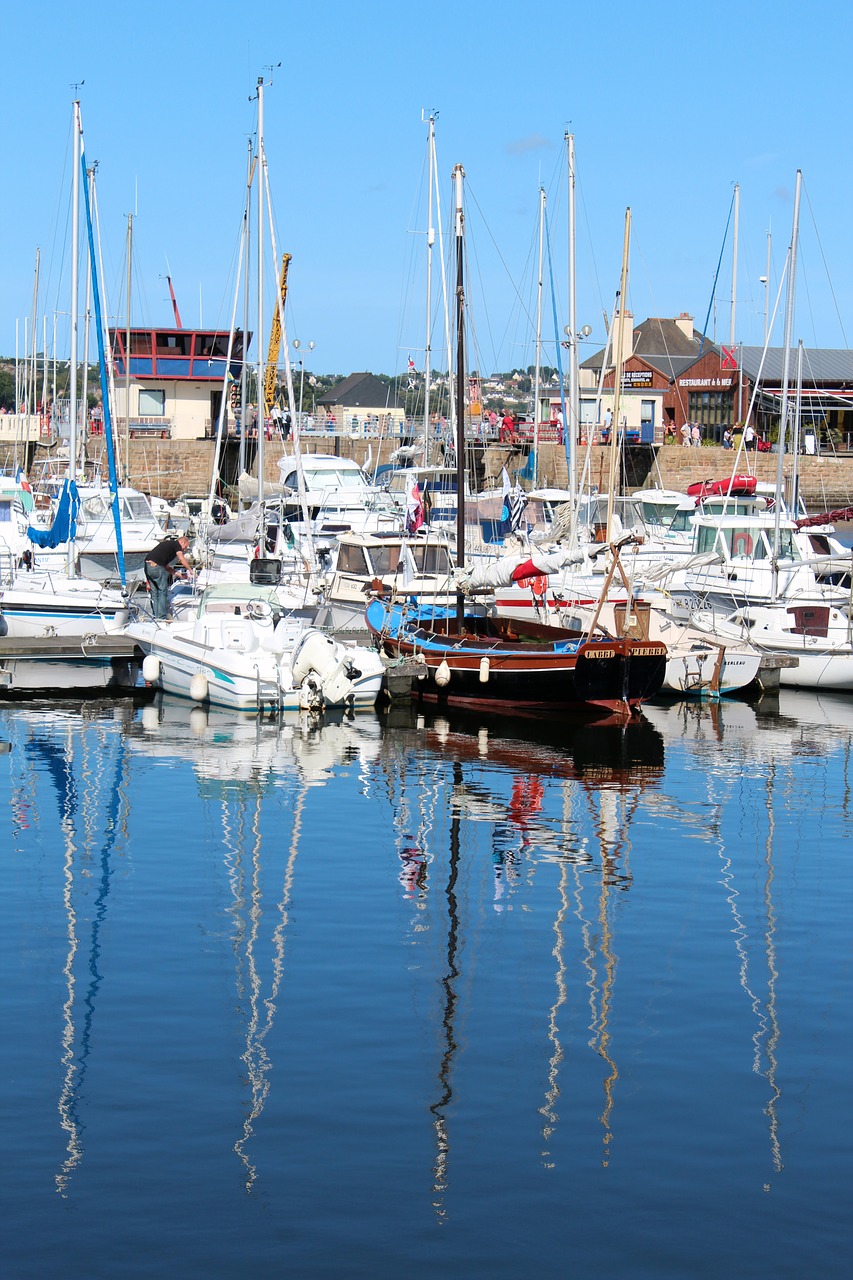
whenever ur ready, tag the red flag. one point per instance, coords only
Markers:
(729, 359)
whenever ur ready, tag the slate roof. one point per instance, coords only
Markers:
(362, 391)
(824, 366)
(663, 345)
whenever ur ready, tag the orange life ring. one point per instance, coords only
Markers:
(741, 545)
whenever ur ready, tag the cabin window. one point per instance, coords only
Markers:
(136, 507)
(5, 512)
(352, 560)
(152, 403)
(140, 344)
(94, 508)
(434, 560)
(385, 559)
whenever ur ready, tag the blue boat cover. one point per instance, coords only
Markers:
(64, 525)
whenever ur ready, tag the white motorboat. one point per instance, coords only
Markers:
(818, 636)
(236, 648)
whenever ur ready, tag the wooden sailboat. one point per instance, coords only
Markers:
(500, 664)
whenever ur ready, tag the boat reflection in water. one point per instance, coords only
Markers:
(238, 761)
(604, 765)
(478, 969)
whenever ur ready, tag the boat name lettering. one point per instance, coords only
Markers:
(648, 651)
(600, 653)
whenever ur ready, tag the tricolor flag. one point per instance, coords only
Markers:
(414, 505)
(514, 503)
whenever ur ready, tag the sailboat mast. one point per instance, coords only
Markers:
(572, 426)
(75, 288)
(734, 268)
(538, 366)
(127, 353)
(430, 243)
(244, 368)
(786, 369)
(260, 269)
(458, 176)
(617, 376)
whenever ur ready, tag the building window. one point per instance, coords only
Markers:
(152, 404)
(713, 410)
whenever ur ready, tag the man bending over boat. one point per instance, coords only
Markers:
(158, 571)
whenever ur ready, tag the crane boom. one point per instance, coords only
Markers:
(275, 339)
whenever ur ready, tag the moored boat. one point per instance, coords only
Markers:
(506, 665)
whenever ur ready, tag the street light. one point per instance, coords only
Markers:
(296, 345)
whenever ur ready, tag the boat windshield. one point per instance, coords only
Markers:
(136, 507)
(432, 559)
(386, 558)
(661, 513)
(752, 542)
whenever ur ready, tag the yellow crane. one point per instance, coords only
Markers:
(275, 340)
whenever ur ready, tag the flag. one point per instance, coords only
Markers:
(414, 505)
(514, 503)
(728, 359)
(411, 365)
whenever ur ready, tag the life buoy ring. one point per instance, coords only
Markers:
(741, 545)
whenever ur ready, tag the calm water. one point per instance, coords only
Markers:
(391, 998)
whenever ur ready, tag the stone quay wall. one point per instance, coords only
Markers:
(170, 469)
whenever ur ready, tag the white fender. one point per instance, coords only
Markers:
(151, 668)
(484, 670)
(199, 688)
(442, 674)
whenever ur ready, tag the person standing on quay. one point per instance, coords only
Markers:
(158, 574)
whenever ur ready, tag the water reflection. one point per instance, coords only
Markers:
(80, 750)
(239, 761)
(519, 863)
(602, 766)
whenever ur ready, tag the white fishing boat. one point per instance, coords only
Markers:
(418, 569)
(235, 648)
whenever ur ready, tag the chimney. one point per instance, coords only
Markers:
(685, 324)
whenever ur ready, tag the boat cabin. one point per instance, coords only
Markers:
(735, 537)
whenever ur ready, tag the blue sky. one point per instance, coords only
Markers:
(669, 104)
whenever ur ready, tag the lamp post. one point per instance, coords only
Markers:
(296, 346)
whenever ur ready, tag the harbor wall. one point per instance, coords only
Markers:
(170, 469)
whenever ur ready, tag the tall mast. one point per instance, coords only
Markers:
(734, 269)
(617, 377)
(786, 369)
(430, 243)
(127, 353)
(244, 368)
(87, 318)
(260, 270)
(538, 365)
(767, 290)
(75, 288)
(573, 425)
(458, 176)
